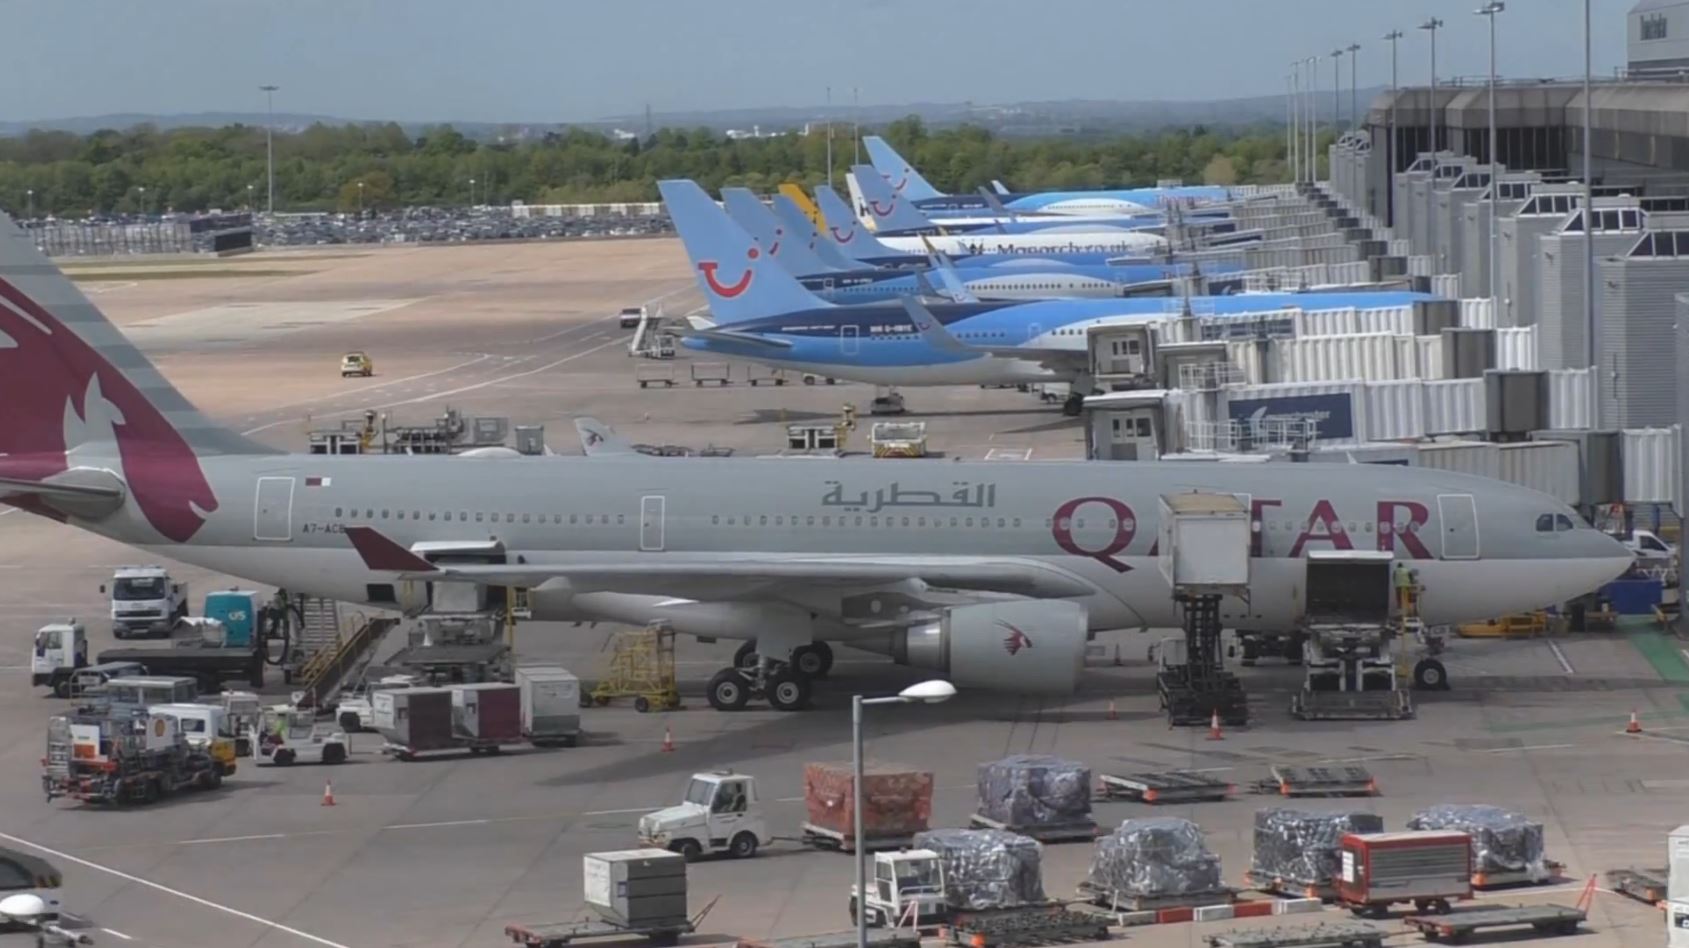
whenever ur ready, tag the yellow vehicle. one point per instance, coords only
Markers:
(356, 364)
(208, 728)
(1521, 625)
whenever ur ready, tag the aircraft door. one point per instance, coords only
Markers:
(272, 510)
(651, 522)
(848, 340)
(1459, 516)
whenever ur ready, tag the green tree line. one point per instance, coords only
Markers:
(143, 169)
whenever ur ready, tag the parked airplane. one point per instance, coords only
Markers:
(883, 205)
(936, 565)
(793, 243)
(764, 314)
(902, 177)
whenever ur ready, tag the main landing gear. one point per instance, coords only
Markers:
(785, 685)
(1073, 406)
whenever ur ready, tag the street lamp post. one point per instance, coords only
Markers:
(29, 204)
(471, 192)
(1492, 10)
(829, 136)
(1432, 26)
(1588, 216)
(1336, 89)
(360, 199)
(1290, 123)
(249, 199)
(270, 145)
(926, 692)
(1393, 149)
(1313, 119)
(1354, 89)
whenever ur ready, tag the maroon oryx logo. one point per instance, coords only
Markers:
(1016, 639)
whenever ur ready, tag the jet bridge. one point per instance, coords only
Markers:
(1203, 553)
(1350, 639)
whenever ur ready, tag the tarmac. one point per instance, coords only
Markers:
(446, 852)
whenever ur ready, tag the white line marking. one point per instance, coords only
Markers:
(413, 826)
(1528, 747)
(113, 931)
(501, 380)
(67, 857)
(1560, 657)
(230, 839)
(358, 391)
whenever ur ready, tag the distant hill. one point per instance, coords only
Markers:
(1069, 116)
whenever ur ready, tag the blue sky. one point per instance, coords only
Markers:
(563, 60)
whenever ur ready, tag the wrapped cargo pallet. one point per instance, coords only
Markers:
(1031, 790)
(896, 801)
(1150, 858)
(985, 869)
(1301, 846)
(1502, 840)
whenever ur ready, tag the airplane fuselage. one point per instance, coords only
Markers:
(1476, 542)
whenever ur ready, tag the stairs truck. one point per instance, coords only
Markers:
(122, 757)
(145, 601)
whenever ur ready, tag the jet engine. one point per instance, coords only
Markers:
(1025, 647)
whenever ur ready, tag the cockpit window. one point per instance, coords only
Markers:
(1562, 522)
(1545, 523)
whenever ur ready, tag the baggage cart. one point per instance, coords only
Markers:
(1173, 786)
(1644, 885)
(1517, 877)
(654, 373)
(557, 934)
(1050, 924)
(1458, 926)
(821, 837)
(1127, 902)
(1291, 888)
(1321, 935)
(1348, 781)
(721, 373)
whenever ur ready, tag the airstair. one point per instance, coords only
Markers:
(326, 672)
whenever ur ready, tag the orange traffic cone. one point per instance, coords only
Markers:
(1214, 728)
(1635, 726)
(1112, 716)
(328, 793)
(668, 740)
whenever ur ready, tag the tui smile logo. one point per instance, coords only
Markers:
(880, 211)
(727, 290)
(843, 238)
(899, 186)
(1015, 640)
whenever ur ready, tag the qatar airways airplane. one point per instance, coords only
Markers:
(992, 574)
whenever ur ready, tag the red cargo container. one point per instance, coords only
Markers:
(1428, 868)
(896, 801)
(488, 713)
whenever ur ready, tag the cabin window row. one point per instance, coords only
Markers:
(463, 516)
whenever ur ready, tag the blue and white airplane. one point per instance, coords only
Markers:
(794, 243)
(762, 313)
(902, 178)
(895, 216)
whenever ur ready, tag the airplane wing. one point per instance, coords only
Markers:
(599, 439)
(719, 577)
(51, 489)
(997, 208)
(940, 338)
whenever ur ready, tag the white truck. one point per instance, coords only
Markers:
(145, 601)
(61, 649)
(356, 711)
(907, 887)
(720, 813)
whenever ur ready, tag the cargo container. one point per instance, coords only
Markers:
(896, 804)
(415, 721)
(237, 610)
(636, 888)
(487, 713)
(1428, 868)
(551, 701)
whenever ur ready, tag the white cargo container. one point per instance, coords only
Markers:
(636, 887)
(1203, 543)
(551, 701)
(1453, 406)
(1548, 466)
(1466, 457)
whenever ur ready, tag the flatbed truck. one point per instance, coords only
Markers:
(211, 666)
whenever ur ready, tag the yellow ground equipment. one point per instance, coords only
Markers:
(1521, 625)
(641, 667)
(899, 439)
(356, 364)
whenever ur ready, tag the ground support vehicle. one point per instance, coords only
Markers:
(720, 814)
(1644, 885)
(1458, 926)
(61, 649)
(1048, 924)
(1321, 935)
(208, 729)
(356, 364)
(356, 711)
(208, 665)
(907, 889)
(145, 601)
(291, 736)
(1427, 868)
(641, 667)
(122, 757)
(1348, 781)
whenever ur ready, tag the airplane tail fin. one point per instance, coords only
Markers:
(900, 176)
(599, 439)
(998, 187)
(804, 204)
(886, 209)
(949, 281)
(825, 250)
(76, 394)
(738, 280)
(846, 230)
(790, 248)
